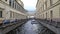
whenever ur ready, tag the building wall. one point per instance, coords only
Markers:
(20, 2)
(9, 12)
(6, 1)
(48, 9)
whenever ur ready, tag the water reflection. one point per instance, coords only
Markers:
(28, 28)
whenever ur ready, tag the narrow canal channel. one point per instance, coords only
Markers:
(31, 27)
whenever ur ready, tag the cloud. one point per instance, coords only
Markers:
(30, 4)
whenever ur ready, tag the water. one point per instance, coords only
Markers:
(29, 28)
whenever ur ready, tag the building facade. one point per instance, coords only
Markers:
(11, 9)
(20, 2)
(48, 9)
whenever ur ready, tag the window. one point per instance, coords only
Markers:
(11, 14)
(5, 0)
(59, 11)
(50, 2)
(10, 2)
(51, 14)
(0, 14)
(43, 15)
(13, 4)
(46, 16)
(43, 7)
(46, 4)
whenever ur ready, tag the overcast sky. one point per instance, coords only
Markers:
(29, 4)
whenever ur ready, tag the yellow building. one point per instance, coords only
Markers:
(11, 9)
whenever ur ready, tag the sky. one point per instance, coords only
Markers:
(30, 5)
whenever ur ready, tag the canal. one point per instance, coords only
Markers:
(31, 27)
